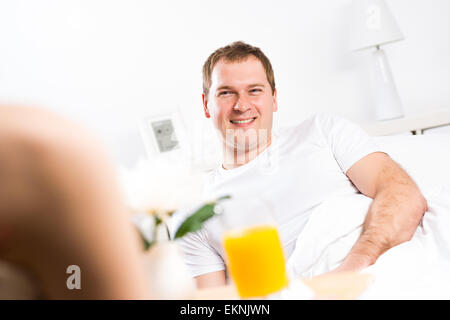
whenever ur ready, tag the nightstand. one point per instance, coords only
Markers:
(414, 123)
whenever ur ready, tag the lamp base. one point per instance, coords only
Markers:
(387, 101)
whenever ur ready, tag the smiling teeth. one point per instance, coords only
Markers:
(242, 121)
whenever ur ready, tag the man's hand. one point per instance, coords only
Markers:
(212, 279)
(394, 214)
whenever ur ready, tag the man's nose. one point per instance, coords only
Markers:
(242, 104)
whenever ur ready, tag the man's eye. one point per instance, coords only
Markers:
(255, 90)
(225, 93)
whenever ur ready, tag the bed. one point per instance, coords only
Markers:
(417, 269)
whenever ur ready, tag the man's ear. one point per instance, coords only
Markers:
(205, 106)
(275, 102)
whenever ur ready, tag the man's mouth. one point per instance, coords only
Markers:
(243, 121)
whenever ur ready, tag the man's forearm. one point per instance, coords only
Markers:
(392, 219)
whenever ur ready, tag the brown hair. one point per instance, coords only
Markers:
(235, 52)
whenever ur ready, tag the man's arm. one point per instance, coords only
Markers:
(396, 210)
(201, 257)
(212, 279)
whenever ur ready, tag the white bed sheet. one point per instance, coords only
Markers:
(418, 269)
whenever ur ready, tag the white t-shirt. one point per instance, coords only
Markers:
(304, 165)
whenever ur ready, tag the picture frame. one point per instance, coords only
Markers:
(163, 135)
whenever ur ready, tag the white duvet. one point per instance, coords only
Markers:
(417, 269)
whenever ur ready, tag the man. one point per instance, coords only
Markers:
(323, 156)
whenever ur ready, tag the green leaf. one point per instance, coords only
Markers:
(196, 220)
(147, 244)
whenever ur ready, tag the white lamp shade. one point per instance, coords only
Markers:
(373, 25)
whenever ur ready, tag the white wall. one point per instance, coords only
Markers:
(106, 62)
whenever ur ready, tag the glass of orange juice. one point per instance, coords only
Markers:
(254, 255)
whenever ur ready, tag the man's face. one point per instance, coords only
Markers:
(240, 102)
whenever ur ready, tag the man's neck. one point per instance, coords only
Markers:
(234, 158)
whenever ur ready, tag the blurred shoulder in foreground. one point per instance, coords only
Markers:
(61, 206)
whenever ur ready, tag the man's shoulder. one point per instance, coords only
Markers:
(303, 127)
(315, 122)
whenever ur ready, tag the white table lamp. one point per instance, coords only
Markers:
(375, 26)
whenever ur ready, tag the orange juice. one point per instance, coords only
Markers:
(255, 260)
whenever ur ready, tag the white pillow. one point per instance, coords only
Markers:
(426, 158)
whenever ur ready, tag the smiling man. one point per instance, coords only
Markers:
(294, 169)
(239, 95)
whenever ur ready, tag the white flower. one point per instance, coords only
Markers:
(161, 186)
